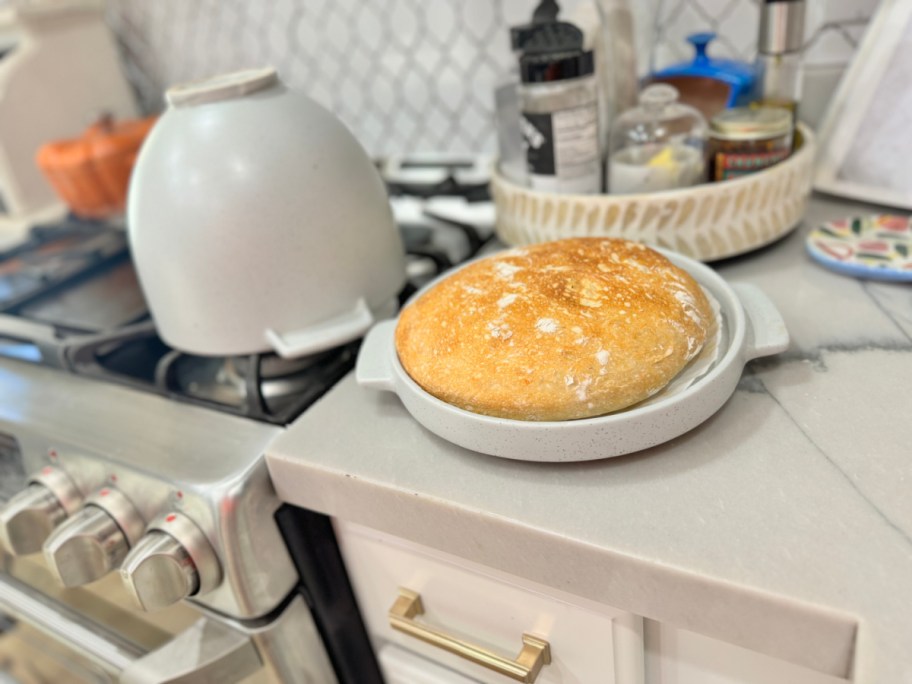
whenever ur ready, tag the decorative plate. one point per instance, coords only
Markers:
(877, 247)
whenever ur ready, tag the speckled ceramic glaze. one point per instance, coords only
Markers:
(877, 247)
(258, 223)
(753, 328)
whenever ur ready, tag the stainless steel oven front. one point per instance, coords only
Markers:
(141, 541)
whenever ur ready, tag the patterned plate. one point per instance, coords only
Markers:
(877, 247)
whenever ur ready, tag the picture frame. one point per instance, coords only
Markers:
(865, 141)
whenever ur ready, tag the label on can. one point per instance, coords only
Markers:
(734, 164)
(562, 149)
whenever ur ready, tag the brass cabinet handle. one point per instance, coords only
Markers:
(535, 652)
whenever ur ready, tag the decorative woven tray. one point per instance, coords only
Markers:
(705, 222)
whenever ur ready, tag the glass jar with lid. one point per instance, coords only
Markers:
(748, 139)
(658, 145)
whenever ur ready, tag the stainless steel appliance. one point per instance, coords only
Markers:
(132, 479)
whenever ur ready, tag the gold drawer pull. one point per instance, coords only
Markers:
(534, 654)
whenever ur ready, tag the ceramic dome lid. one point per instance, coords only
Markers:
(259, 224)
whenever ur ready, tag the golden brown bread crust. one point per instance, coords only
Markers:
(556, 331)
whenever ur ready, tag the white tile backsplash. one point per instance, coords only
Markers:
(833, 11)
(413, 75)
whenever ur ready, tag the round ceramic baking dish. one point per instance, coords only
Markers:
(751, 328)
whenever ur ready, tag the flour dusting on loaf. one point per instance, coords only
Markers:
(557, 331)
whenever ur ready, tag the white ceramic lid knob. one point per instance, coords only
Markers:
(221, 87)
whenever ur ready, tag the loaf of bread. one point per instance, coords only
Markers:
(557, 331)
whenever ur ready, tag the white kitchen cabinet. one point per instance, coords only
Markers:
(676, 656)
(488, 609)
(589, 643)
(401, 666)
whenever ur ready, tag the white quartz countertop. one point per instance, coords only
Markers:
(782, 524)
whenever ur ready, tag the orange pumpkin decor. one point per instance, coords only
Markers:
(92, 173)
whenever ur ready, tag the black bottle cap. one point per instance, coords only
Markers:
(552, 36)
(555, 66)
(519, 36)
(545, 13)
(553, 51)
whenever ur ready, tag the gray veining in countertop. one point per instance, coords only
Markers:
(782, 524)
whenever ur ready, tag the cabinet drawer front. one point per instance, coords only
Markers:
(404, 667)
(676, 656)
(479, 606)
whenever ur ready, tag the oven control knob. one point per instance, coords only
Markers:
(29, 517)
(159, 572)
(94, 541)
(173, 561)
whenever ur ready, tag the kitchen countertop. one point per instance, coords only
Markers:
(782, 524)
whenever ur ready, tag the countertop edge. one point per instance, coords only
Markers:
(794, 630)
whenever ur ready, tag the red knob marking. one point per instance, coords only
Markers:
(170, 518)
(46, 470)
(104, 492)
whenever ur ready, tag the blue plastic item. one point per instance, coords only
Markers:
(738, 76)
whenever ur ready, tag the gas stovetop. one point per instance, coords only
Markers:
(70, 299)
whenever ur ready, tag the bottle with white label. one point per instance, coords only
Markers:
(559, 115)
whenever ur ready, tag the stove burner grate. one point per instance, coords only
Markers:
(259, 386)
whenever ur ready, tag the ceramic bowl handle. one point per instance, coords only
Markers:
(374, 369)
(345, 328)
(767, 332)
